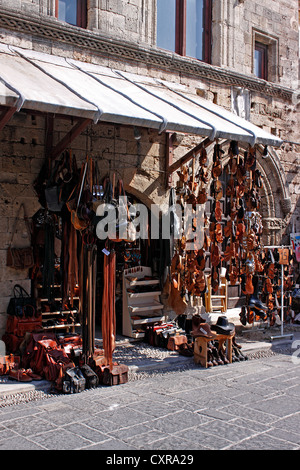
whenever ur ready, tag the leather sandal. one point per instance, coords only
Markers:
(20, 375)
(31, 374)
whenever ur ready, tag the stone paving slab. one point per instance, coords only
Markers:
(209, 414)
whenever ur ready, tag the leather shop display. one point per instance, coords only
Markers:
(209, 345)
(78, 280)
(230, 195)
(66, 291)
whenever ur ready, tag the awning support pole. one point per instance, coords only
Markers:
(188, 156)
(69, 137)
(6, 116)
(169, 159)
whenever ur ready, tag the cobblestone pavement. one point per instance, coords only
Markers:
(249, 405)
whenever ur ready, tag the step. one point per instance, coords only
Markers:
(142, 283)
(146, 320)
(146, 307)
(137, 295)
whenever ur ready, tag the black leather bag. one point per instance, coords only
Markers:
(21, 303)
(74, 381)
(91, 378)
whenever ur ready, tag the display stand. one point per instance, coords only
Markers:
(282, 335)
(63, 319)
(200, 348)
(141, 301)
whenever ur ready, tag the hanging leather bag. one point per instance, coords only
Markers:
(21, 304)
(20, 258)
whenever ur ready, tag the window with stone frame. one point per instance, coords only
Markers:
(265, 56)
(184, 27)
(72, 11)
(261, 60)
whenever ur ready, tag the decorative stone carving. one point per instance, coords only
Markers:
(272, 223)
(51, 30)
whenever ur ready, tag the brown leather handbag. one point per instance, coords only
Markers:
(117, 376)
(174, 342)
(20, 258)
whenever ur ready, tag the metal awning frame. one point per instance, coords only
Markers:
(190, 107)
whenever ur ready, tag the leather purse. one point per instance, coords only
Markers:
(21, 304)
(20, 258)
(175, 342)
(118, 375)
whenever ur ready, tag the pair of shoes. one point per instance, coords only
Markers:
(223, 357)
(23, 375)
(20, 375)
(216, 355)
(237, 353)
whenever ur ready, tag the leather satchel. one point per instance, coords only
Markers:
(175, 342)
(118, 375)
(20, 258)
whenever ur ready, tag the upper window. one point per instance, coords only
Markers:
(72, 12)
(261, 60)
(184, 27)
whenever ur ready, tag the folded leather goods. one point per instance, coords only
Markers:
(223, 327)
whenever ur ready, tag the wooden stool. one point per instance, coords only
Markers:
(200, 348)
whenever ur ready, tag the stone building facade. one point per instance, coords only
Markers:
(122, 34)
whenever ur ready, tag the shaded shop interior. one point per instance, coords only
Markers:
(130, 285)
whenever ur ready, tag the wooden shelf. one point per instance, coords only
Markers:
(145, 305)
(46, 315)
(143, 294)
(57, 299)
(58, 312)
(62, 326)
(143, 321)
(142, 283)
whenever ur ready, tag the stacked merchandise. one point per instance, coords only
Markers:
(170, 336)
(58, 358)
(265, 301)
(215, 344)
(22, 316)
(232, 237)
(64, 248)
(188, 342)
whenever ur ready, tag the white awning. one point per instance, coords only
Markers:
(42, 82)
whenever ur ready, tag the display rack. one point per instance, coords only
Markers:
(141, 301)
(201, 346)
(282, 335)
(57, 317)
